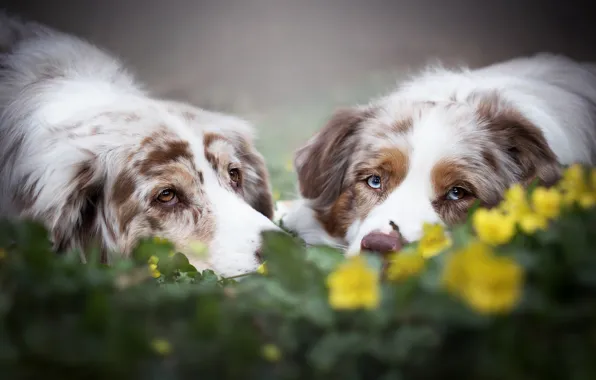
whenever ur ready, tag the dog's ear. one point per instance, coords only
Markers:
(523, 144)
(256, 184)
(68, 204)
(322, 163)
(78, 225)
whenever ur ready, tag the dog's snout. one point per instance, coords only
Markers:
(381, 242)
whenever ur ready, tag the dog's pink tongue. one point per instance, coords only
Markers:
(381, 242)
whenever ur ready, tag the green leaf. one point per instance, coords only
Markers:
(324, 257)
(285, 260)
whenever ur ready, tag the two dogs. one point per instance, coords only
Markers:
(85, 150)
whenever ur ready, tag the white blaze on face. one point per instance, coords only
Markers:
(237, 237)
(409, 206)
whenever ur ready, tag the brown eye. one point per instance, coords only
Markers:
(456, 193)
(234, 175)
(167, 196)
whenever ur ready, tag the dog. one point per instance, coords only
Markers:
(443, 140)
(89, 153)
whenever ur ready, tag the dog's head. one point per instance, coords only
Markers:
(399, 163)
(160, 169)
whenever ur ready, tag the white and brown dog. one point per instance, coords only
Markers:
(90, 154)
(441, 141)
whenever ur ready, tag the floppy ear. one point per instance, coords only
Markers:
(323, 162)
(257, 188)
(78, 225)
(523, 144)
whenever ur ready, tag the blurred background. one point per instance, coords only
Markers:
(286, 64)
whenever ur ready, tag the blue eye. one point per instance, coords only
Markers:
(456, 193)
(374, 181)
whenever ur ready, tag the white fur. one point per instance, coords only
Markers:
(556, 94)
(51, 82)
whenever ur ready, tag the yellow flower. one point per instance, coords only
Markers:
(159, 240)
(531, 223)
(153, 271)
(574, 174)
(161, 346)
(262, 269)
(573, 184)
(486, 282)
(493, 226)
(354, 285)
(515, 202)
(546, 202)
(153, 260)
(404, 265)
(271, 352)
(434, 240)
(593, 179)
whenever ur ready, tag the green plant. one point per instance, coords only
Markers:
(64, 320)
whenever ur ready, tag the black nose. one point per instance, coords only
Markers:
(381, 242)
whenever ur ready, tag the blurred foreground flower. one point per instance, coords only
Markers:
(573, 185)
(155, 273)
(403, 265)
(486, 282)
(493, 226)
(160, 240)
(434, 240)
(262, 269)
(531, 223)
(354, 285)
(547, 202)
(161, 346)
(515, 203)
(271, 352)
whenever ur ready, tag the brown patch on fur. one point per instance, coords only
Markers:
(169, 151)
(322, 163)
(490, 159)
(521, 141)
(256, 189)
(83, 207)
(357, 200)
(449, 173)
(201, 178)
(122, 192)
(208, 140)
(403, 125)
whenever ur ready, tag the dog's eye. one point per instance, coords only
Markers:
(167, 196)
(456, 193)
(374, 181)
(234, 175)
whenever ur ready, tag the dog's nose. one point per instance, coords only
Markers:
(381, 242)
